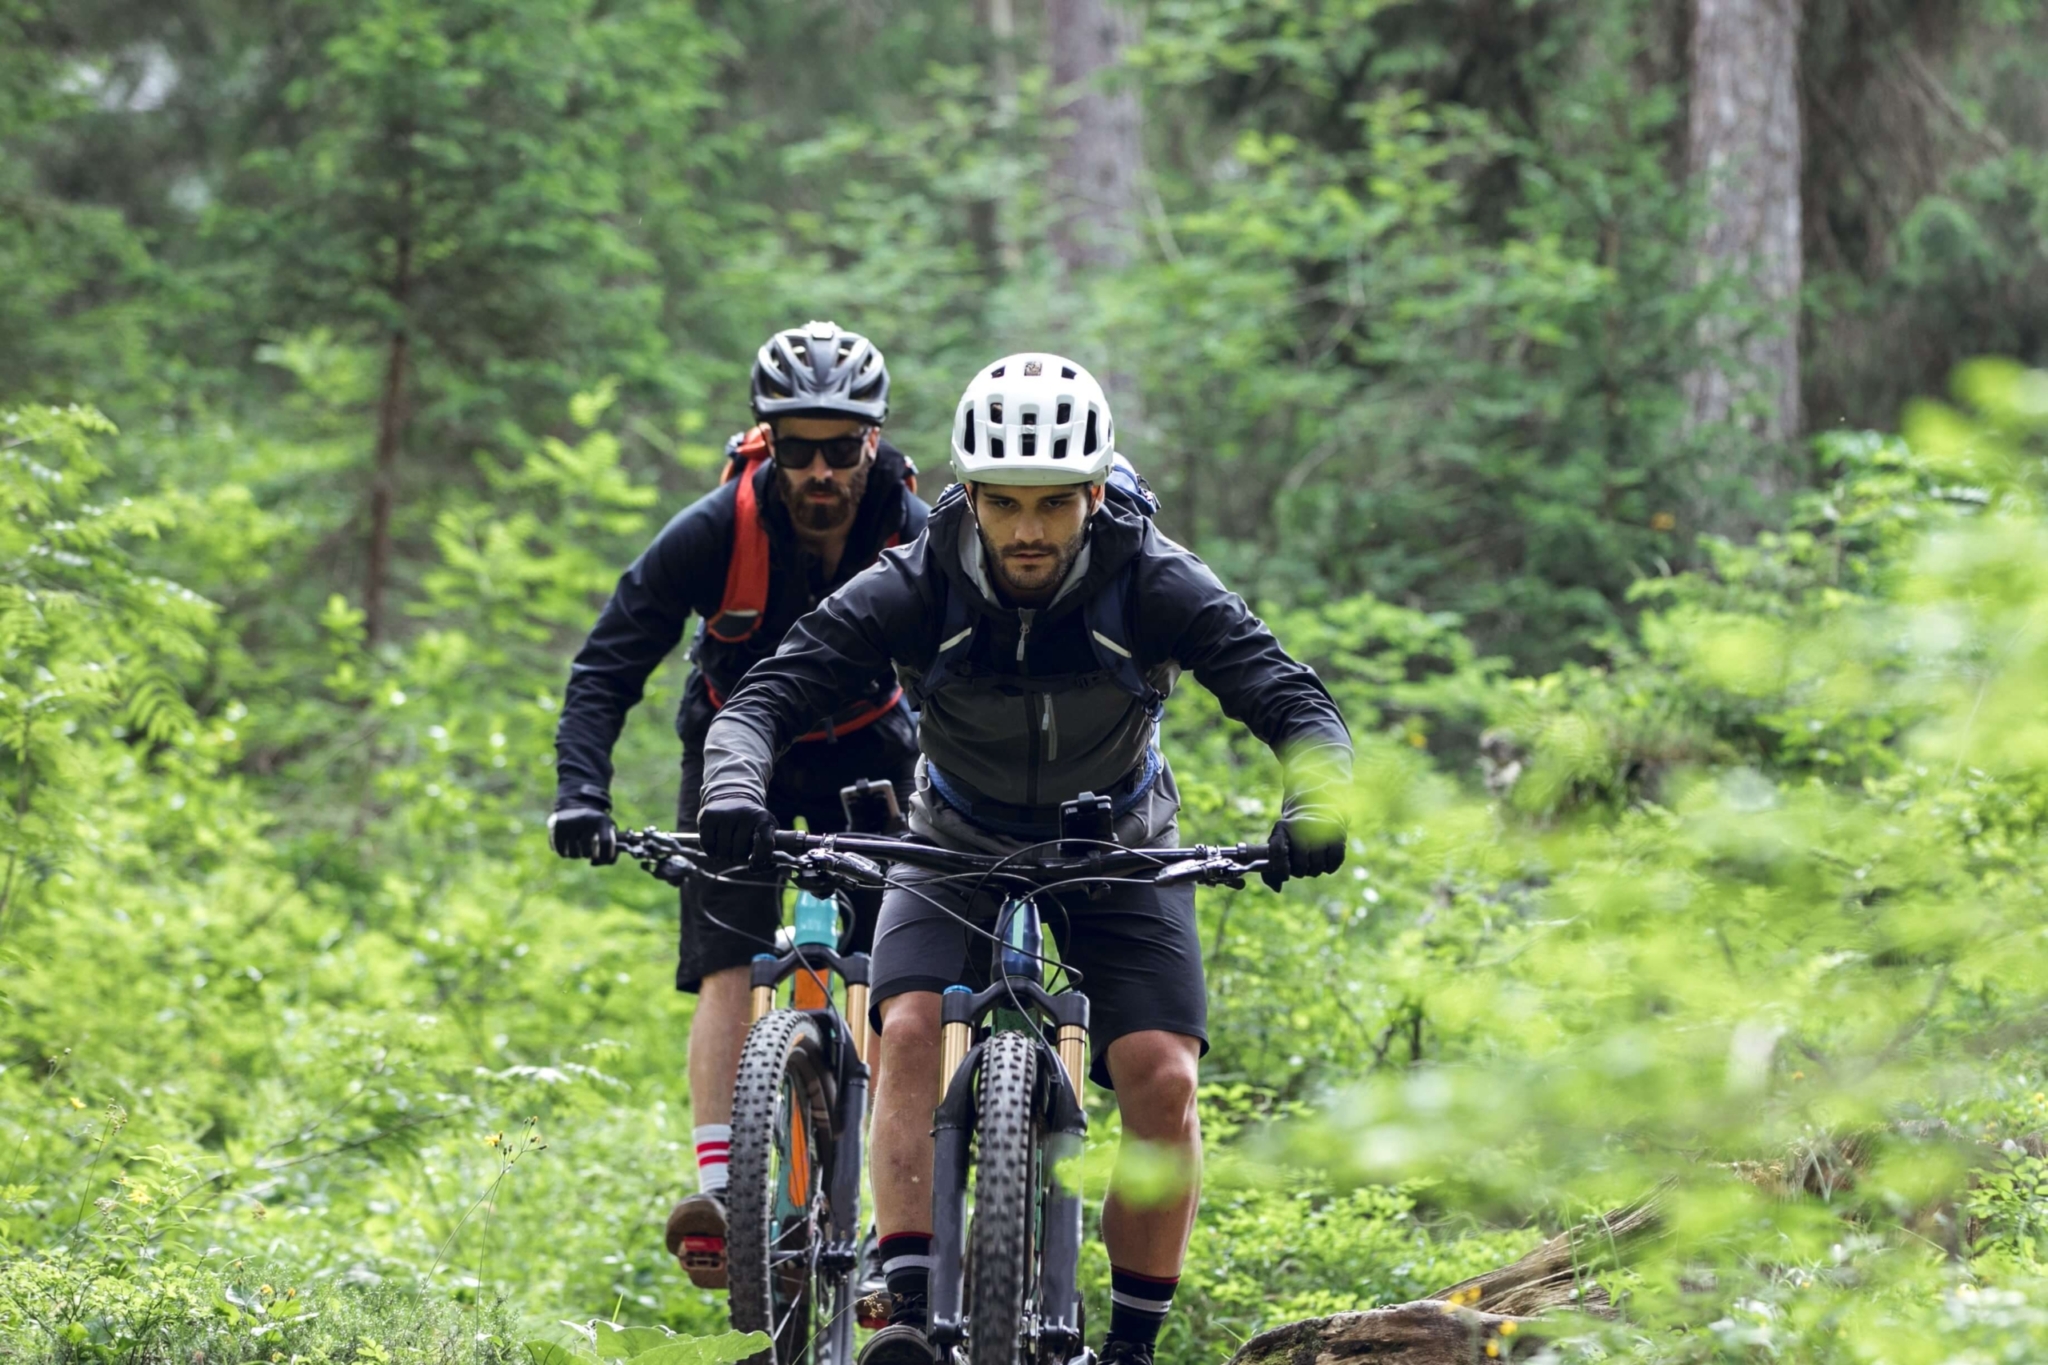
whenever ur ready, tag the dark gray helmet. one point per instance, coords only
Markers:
(820, 370)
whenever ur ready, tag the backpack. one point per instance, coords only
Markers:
(1106, 616)
(746, 578)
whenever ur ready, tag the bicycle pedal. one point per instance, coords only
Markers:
(872, 1311)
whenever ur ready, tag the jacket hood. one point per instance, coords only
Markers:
(1115, 537)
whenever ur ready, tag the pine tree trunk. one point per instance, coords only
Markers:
(1099, 157)
(1744, 158)
(391, 415)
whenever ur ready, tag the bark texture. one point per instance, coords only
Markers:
(1099, 158)
(1744, 154)
(1454, 1325)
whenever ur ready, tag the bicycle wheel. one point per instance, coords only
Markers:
(778, 1207)
(1003, 1242)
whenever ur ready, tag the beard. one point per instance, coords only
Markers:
(818, 514)
(1031, 578)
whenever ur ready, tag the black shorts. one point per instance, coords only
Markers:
(1135, 952)
(725, 926)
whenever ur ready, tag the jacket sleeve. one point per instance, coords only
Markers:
(1205, 628)
(683, 569)
(881, 617)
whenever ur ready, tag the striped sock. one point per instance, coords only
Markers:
(1137, 1305)
(907, 1266)
(714, 1149)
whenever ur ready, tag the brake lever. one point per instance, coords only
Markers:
(1211, 871)
(829, 864)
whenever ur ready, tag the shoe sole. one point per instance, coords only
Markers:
(696, 1238)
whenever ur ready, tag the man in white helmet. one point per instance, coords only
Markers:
(1044, 619)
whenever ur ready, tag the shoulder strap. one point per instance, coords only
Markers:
(746, 575)
(1107, 617)
(956, 637)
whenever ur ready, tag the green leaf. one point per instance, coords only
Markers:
(624, 1343)
(548, 1353)
(722, 1349)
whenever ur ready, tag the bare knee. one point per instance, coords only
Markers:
(910, 1023)
(725, 990)
(1156, 1075)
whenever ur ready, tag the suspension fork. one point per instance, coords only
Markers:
(952, 1128)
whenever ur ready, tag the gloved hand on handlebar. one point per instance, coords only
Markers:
(1306, 843)
(584, 831)
(736, 830)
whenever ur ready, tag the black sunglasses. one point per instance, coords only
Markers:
(840, 452)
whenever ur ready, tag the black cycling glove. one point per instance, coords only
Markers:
(1304, 845)
(584, 832)
(736, 829)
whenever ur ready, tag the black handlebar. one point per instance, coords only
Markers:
(829, 853)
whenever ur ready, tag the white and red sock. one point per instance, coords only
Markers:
(714, 1150)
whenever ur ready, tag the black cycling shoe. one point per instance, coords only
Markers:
(900, 1343)
(1116, 1352)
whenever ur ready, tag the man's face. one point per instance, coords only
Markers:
(1031, 534)
(819, 497)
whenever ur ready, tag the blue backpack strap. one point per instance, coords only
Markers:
(1107, 617)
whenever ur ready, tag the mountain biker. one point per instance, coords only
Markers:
(812, 496)
(1042, 618)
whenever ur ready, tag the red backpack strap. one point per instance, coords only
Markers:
(746, 576)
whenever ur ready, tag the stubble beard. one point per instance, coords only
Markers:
(1040, 586)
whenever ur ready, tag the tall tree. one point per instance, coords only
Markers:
(1099, 157)
(1744, 159)
(448, 191)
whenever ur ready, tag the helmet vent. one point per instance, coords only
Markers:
(967, 439)
(1028, 445)
(1059, 449)
(1088, 441)
(775, 388)
(1065, 413)
(800, 351)
(1066, 372)
(997, 372)
(995, 447)
(1029, 417)
(995, 412)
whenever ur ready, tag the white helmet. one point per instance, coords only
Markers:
(1033, 418)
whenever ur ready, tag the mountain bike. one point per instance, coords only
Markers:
(793, 1234)
(1010, 1123)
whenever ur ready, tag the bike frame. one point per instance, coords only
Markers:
(1018, 982)
(811, 962)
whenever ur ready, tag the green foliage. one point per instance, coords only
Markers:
(1710, 865)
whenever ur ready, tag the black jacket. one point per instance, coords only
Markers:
(682, 573)
(995, 729)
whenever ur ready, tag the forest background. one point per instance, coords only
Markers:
(1554, 376)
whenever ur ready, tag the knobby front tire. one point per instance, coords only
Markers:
(778, 1203)
(1003, 1242)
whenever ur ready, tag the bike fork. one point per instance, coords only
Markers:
(952, 1127)
(1058, 1295)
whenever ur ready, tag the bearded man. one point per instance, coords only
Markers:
(812, 496)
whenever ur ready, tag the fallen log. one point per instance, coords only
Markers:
(1456, 1324)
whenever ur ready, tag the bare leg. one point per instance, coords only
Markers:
(717, 1035)
(906, 1094)
(1155, 1074)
